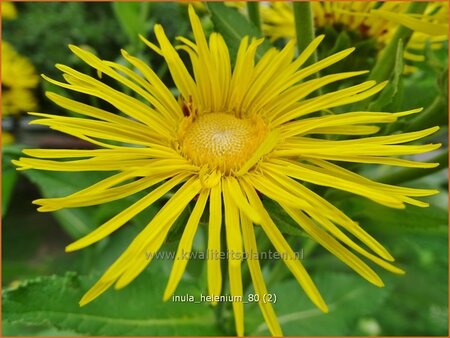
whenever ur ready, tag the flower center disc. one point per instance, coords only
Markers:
(221, 140)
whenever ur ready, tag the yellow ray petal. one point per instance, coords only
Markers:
(327, 211)
(94, 112)
(123, 152)
(276, 101)
(334, 230)
(235, 254)
(334, 99)
(215, 221)
(304, 173)
(111, 95)
(151, 237)
(389, 189)
(264, 148)
(158, 87)
(79, 165)
(274, 192)
(180, 75)
(103, 67)
(334, 247)
(413, 23)
(372, 159)
(123, 102)
(280, 244)
(140, 260)
(127, 214)
(234, 190)
(102, 196)
(251, 250)
(94, 128)
(350, 130)
(185, 245)
(149, 241)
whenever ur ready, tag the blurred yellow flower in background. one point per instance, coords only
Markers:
(9, 11)
(19, 78)
(7, 138)
(369, 19)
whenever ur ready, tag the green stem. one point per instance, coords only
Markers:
(386, 62)
(409, 174)
(253, 13)
(145, 8)
(435, 114)
(304, 27)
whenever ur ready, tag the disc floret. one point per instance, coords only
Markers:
(221, 140)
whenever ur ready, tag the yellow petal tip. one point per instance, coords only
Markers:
(70, 248)
(167, 296)
(84, 301)
(324, 308)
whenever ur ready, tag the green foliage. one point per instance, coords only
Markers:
(75, 221)
(283, 221)
(134, 20)
(412, 219)
(386, 60)
(341, 42)
(234, 26)
(337, 39)
(348, 298)
(42, 31)
(137, 310)
(391, 95)
(418, 304)
(34, 330)
(9, 174)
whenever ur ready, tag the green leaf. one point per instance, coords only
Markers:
(342, 42)
(234, 26)
(389, 95)
(9, 174)
(412, 219)
(283, 221)
(9, 329)
(137, 310)
(348, 297)
(425, 259)
(133, 17)
(75, 221)
(386, 60)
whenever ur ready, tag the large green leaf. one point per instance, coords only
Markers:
(136, 310)
(348, 297)
(75, 221)
(420, 304)
(234, 26)
(9, 329)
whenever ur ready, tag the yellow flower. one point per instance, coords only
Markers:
(200, 6)
(433, 22)
(234, 134)
(9, 11)
(363, 19)
(18, 79)
(7, 138)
